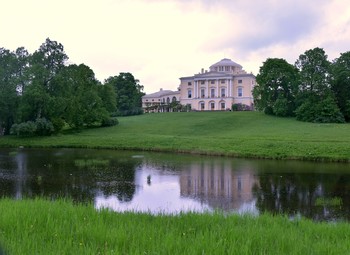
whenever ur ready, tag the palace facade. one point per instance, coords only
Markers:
(225, 84)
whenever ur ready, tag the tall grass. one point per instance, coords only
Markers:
(46, 227)
(242, 134)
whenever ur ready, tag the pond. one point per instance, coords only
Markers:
(171, 183)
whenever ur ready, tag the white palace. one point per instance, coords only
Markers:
(225, 84)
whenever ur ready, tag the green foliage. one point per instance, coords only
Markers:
(341, 83)
(324, 111)
(276, 89)
(44, 127)
(128, 93)
(41, 88)
(109, 122)
(240, 107)
(23, 129)
(317, 91)
(281, 107)
(41, 127)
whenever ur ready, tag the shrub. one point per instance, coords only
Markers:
(109, 122)
(23, 129)
(44, 127)
(241, 107)
(58, 124)
(322, 111)
(280, 107)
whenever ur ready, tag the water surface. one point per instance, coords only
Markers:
(170, 183)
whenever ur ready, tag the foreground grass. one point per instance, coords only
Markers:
(45, 227)
(240, 134)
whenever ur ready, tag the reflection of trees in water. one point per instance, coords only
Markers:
(293, 194)
(45, 174)
(119, 180)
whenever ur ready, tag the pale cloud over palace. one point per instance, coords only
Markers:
(225, 84)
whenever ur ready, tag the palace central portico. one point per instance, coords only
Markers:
(225, 84)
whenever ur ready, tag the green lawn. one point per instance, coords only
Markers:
(46, 227)
(242, 134)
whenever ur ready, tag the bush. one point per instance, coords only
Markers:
(58, 124)
(321, 111)
(280, 107)
(23, 129)
(109, 122)
(44, 127)
(241, 107)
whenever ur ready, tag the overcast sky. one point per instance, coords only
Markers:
(159, 41)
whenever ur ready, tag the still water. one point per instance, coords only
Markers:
(170, 183)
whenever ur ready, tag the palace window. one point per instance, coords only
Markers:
(174, 99)
(212, 82)
(202, 93)
(240, 91)
(189, 83)
(202, 106)
(202, 82)
(222, 81)
(239, 81)
(223, 92)
(223, 106)
(212, 92)
(212, 106)
(168, 100)
(189, 93)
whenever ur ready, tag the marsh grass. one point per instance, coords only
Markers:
(45, 227)
(239, 134)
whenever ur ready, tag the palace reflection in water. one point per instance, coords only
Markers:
(170, 183)
(218, 185)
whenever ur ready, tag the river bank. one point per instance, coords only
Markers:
(234, 134)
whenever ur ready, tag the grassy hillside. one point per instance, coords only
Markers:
(243, 134)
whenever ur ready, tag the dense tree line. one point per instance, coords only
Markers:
(40, 93)
(313, 89)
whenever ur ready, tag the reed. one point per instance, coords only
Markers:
(59, 227)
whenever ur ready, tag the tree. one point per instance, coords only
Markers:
(77, 100)
(314, 70)
(37, 92)
(8, 93)
(341, 83)
(128, 93)
(276, 87)
(316, 101)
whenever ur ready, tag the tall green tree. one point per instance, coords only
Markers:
(44, 65)
(314, 70)
(277, 87)
(77, 100)
(8, 92)
(128, 93)
(341, 83)
(316, 101)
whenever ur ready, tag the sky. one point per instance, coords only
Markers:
(159, 41)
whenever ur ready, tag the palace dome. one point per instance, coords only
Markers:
(225, 62)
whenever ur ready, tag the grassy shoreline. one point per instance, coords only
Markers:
(45, 227)
(234, 134)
